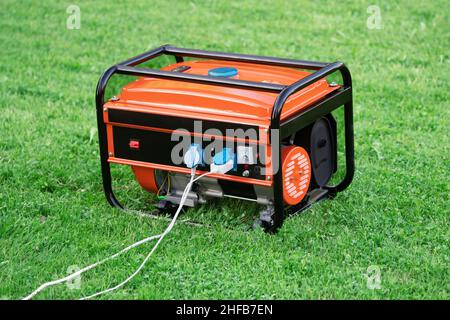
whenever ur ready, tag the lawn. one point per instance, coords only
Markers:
(393, 218)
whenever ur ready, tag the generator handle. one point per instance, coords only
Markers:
(128, 67)
(303, 83)
(144, 57)
(102, 138)
(179, 53)
(238, 57)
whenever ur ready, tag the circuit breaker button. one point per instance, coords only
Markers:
(134, 144)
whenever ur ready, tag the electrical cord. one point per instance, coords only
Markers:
(166, 180)
(92, 266)
(159, 237)
(168, 229)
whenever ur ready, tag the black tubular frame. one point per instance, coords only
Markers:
(340, 97)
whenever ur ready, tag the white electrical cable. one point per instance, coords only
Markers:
(160, 236)
(79, 272)
(172, 223)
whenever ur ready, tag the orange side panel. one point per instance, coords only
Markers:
(146, 178)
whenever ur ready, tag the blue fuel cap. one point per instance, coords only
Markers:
(223, 72)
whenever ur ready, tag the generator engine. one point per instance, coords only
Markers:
(261, 126)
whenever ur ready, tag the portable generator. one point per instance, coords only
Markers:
(262, 126)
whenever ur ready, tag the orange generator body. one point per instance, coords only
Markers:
(262, 127)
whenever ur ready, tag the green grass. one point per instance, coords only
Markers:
(394, 215)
